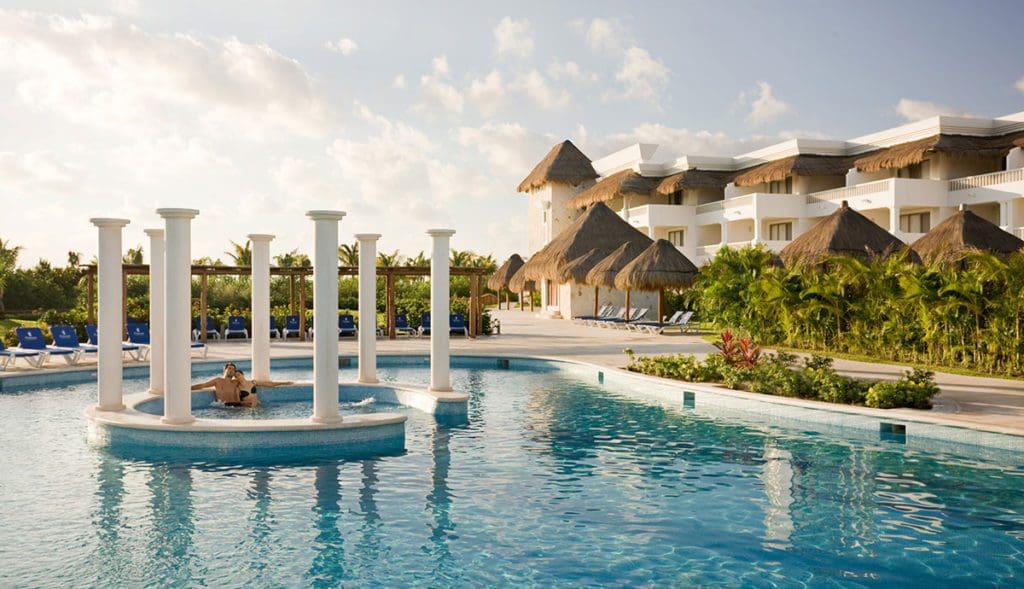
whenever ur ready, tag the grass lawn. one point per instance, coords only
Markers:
(9, 324)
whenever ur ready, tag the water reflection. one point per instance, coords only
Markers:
(328, 566)
(107, 518)
(171, 551)
(370, 534)
(261, 520)
(777, 477)
(439, 504)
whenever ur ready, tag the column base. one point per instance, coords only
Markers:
(440, 389)
(368, 381)
(118, 407)
(177, 420)
(155, 392)
(334, 419)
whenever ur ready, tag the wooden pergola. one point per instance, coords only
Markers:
(295, 274)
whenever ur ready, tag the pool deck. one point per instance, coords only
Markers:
(989, 403)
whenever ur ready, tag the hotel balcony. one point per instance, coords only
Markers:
(881, 194)
(756, 205)
(648, 217)
(987, 188)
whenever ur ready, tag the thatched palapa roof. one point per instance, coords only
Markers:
(503, 275)
(948, 241)
(844, 232)
(564, 164)
(519, 283)
(914, 152)
(576, 270)
(603, 273)
(658, 267)
(800, 165)
(599, 228)
(624, 183)
(693, 179)
(1019, 142)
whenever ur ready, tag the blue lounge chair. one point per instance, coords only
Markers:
(347, 325)
(31, 338)
(33, 358)
(425, 324)
(133, 350)
(457, 324)
(402, 325)
(602, 312)
(211, 328)
(291, 327)
(65, 336)
(274, 331)
(138, 335)
(657, 327)
(236, 326)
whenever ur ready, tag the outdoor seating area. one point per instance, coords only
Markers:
(612, 317)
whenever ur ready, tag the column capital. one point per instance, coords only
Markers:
(367, 236)
(109, 222)
(440, 232)
(326, 215)
(260, 237)
(177, 213)
(154, 232)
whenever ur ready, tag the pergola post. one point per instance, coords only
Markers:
(389, 295)
(367, 306)
(474, 305)
(260, 335)
(325, 315)
(178, 315)
(202, 304)
(439, 309)
(111, 358)
(156, 311)
(90, 300)
(124, 303)
(302, 306)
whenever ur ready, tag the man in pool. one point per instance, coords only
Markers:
(233, 389)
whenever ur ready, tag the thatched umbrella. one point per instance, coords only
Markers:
(501, 277)
(948, 241)
(844, 232)
(800, 165)
(658, 267)
(597, 229)
(564, 164)
(603, 273)
(521, 285)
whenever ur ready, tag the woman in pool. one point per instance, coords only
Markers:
(234, 390)
(247, 388)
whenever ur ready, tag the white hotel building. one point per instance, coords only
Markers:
(906, 179)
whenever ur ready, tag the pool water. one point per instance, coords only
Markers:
(553, 483)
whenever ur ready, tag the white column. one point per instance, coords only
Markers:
(325, 315)
(368, 306)
(260, 335)
(156, 311)
(109, 372)
(543, 294)
(439, 309)
(725, 231)
(178, 315)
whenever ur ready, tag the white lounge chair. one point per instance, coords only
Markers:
(33, 358)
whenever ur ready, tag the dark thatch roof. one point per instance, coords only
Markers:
(576, 270)
(948, 241)
(519, 283)
(844, 232)
(503, 275)
(603, 273)
(619, 184)
(1019, 142)
(800, 165)
(914, 152)
(564, 164)
(694, 179)
(599, 228)
(658, 267)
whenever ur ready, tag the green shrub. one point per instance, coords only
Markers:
(835, 388)
(915, 390)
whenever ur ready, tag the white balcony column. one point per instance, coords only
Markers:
(325, 315)
(725, 232)
(1015, 159)
(111, 361)
(894, 219)
(1007, 219)
(943, 214)
(368, 306)
(757, 229)
(439, 309)
(260, 335)
(156, 311)
(178, 315)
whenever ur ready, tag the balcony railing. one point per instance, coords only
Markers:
(729, 203)
(984, 180)
(848, 192)
(711, 207)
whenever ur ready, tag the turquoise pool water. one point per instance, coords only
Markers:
(553, 482)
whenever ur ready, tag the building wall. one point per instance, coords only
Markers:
(547, 214)
(575, 300)
(945, 167)
(809, 184)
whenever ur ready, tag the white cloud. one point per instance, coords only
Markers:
(398, 82)
(512, 38)
(344, 46)
(1020, 84)
(125, 7)
(916, 110)
(766, 108)
(570, 70)
(641, 77)
(533, 85)
(103, 72)
(602, 34)
(511, 148)
(439, 65)
(436, 93)
(487, 94)
(36, 174)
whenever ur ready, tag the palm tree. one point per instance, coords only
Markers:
(419, 260)
(460, 259)
(241, 254)
(391, 260)
(348, 254)
(292, 259)
(134, 255)
(8, 262)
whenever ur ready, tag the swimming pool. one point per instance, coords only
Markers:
(555, 481)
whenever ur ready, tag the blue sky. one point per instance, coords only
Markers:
(411, 116)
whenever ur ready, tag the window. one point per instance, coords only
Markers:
(781, 186)
(780, 231)
(919, 170)
(676, 237)
(915, 222)
(676, 198)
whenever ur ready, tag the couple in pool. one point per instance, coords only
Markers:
(234, 390)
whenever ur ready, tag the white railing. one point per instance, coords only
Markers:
(729, 203)
(982, 180)
(708, 250)
(849, 192)
(711, 207)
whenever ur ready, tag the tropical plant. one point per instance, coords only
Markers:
(240, 254)
(8, 263)
(348, 254)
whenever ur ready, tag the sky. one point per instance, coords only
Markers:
(412, 115)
